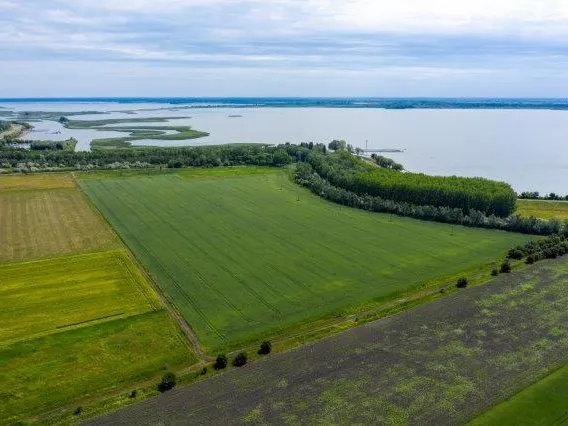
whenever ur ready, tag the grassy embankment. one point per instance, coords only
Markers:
(249, 257)
(543, 209)
(76, 327)
(135, 131)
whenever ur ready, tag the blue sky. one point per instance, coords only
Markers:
(284, 48)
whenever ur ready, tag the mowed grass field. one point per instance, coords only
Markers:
(60, 370)
(79, 320)
(54, 295)
(543, 403)
(543, 209)
(241, 257)
(39, 224)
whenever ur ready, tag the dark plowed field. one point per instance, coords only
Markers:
(440, 363)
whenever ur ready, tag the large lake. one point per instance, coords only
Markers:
(527, 148)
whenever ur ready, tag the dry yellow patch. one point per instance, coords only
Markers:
(40, 224)
(543, 209)
(36, 182)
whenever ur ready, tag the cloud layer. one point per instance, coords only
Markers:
(284, 47)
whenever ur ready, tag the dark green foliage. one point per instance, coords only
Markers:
(201, 156)
(78, 410)
(494, 272)
(467, 194)
(220, 363)
(204, 371)
(336, 145)
(168, 382)
(516, 254)
(387, 163)
(306, 176)
(530, 259)
(133, 394)
(67, 145)
(265, 348)
(240, 359)
(506, 267)
(462, 283)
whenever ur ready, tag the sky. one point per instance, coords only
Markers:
(484, 48)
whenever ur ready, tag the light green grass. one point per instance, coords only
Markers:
(51, 296)
(241, 257)
(543, 209)
(64, 369)
(543, 403)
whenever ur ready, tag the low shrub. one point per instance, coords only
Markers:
(506, 267)
(168, 382)
(133, 394)
(220, 362)
(78, 410)
(265, 348)
(240, 359)
(462, 283)
(494, 272)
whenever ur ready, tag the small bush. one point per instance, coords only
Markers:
(462, 283)
(494, 272)
(220, 362)
(133, 394)
(516, 254)
(506, 267)
(530, 259)
(265, 348)
(168, 382)
(240, 360)
(78, 411)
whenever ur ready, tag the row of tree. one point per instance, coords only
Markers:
(550, 247)
(346, 171)
(387, 163)
(202, 156)
(535, 195)
(306, 176)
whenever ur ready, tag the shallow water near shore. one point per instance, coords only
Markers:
(527, 148)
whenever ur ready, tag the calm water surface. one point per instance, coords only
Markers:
(527, 148)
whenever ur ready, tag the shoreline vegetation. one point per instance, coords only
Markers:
(135, 132)
(291, 102)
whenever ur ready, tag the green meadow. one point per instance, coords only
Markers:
(246, 256)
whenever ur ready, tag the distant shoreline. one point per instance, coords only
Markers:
(355, 103)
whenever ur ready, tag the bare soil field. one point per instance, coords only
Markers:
(440, 363)
(40, 224)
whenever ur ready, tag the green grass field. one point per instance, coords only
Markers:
(543, 403)
(241, 257)
(60, 370)
(543, 209)
(54, 295)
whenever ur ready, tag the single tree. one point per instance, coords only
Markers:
(240, 359)
(462, 283)
(265, 348)
(220, 362)
(168, 382)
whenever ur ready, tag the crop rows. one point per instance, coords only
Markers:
(241, 257)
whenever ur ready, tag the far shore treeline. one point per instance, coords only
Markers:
(338, 176)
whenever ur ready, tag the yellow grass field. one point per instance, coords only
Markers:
(36, 182)
(40, 224)
(543, 209)
(50, 296)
